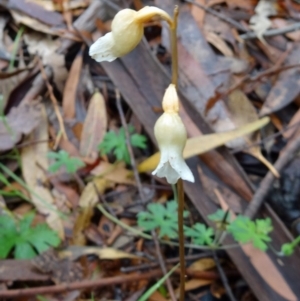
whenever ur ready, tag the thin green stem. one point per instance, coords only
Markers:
(15, 48)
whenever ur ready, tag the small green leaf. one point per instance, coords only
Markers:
(200, 234)
(25, 240)
(163, 218)
(63, 159)
(244, 230)
(116, 143)
(218, 216)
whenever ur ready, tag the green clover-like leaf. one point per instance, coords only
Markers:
(27, 241)
(63, 159)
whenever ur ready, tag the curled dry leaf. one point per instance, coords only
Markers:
(19, 121)
(34, 164)
(94, 127)
(242, 112)
(201, 144)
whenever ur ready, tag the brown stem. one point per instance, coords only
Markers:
(174, 48)
(180, 196)
(60, 288)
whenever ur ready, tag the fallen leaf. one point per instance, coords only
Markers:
(242, 112)
(69, 96)
(94, 127)
(36, 12)
(34, 164)
(194, 284)
(89, 196)
(116, 173)
(203, 264)
(46, 48)
(202, 144)
(74, 252)
(21, 120)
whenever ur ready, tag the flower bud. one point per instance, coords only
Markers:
(171, 137)
(126, 33)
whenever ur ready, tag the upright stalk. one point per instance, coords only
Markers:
(174, 48)
(180, 192)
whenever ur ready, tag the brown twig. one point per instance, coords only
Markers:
(54, 101)
(88, 284)
(272, 32)
(286, 156)
(219, 15)
(150, 265)
(223, 278)
(128, 143)
(140, 189)
(180, 196)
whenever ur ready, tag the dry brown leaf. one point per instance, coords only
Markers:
(89, 196)
(45, 47)
(20, 120)
(195, 283)
(116, 173)
(202, 264)
(67, 5)
(74, 252)
(34, 164)
(81, 223)
(242, 112)
(32, 23)
(94, 127)
(69, 96)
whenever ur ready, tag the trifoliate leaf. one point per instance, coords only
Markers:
(116, 143)
(163, 218)
(63, 159)
(25, 240)
(244, 230)
(200, 234)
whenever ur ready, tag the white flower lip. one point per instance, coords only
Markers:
(173, 167)
(102, 49)
(171, 137)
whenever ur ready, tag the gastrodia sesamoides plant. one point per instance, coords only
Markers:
(171, 137)
(127, 30)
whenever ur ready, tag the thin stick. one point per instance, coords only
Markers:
(180, 195)
(128, 144)
(140, 189)
(224, 278)
(88, 284)
(220, 16)
(286, 156)
(54, 101)
(272, 32)
(174, 48)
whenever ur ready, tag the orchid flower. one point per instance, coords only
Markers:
(171, 137)
(127, 30)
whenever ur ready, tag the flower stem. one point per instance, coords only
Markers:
(174, 48)
(180, 199)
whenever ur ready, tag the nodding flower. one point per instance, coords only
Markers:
(171, 137)
(127, 30)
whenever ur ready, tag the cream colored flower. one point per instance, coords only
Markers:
(127, 30)
(171, 136)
